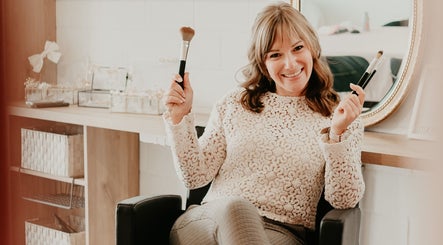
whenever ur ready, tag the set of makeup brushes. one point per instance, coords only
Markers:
(370, 71)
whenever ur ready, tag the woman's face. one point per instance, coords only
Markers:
(289, 63)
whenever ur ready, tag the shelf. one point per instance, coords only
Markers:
(75, 181)
(69, 198)
(58, 200)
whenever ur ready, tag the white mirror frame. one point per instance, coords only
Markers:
(396, 95)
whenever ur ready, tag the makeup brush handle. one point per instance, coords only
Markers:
(362, 80)
(363, 86)
(181, 70)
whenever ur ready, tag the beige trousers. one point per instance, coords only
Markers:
(231, 221)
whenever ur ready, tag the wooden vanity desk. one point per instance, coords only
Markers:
(397, 151)
(111, 148)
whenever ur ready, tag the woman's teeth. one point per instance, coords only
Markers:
(292, 74)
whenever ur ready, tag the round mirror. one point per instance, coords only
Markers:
(352, 33)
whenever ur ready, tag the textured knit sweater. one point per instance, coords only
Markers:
(279, 159)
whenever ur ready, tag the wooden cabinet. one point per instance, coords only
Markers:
(111, 163)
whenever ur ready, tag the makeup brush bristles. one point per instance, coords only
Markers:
(380, 53)
(187, 33)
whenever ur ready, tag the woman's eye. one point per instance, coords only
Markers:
(274, 55)
(298, 47)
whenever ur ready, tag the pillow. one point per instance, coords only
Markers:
(346, 70)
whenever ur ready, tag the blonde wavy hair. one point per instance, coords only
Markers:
(319, 92)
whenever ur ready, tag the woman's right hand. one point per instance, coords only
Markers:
(179, 100)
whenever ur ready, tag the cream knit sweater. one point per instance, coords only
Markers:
(277, 159)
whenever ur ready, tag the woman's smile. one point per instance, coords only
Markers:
(293, 75)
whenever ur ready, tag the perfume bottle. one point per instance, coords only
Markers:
(366, 22)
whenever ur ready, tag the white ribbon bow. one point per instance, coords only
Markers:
(50, 52)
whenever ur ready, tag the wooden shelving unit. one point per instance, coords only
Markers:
(111, 163)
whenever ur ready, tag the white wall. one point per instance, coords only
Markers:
(143, 35)
(380, 12)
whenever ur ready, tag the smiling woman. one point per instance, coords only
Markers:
(346, 36)
(290, 77)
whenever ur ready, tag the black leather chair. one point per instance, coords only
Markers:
(148, 220)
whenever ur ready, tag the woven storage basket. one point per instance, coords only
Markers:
(48, 232)
(56, 150)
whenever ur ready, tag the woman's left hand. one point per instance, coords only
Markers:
(348, 110)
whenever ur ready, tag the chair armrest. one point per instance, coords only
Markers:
(146, 220)
(340, 227)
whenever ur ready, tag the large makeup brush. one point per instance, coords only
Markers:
(187, 35)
